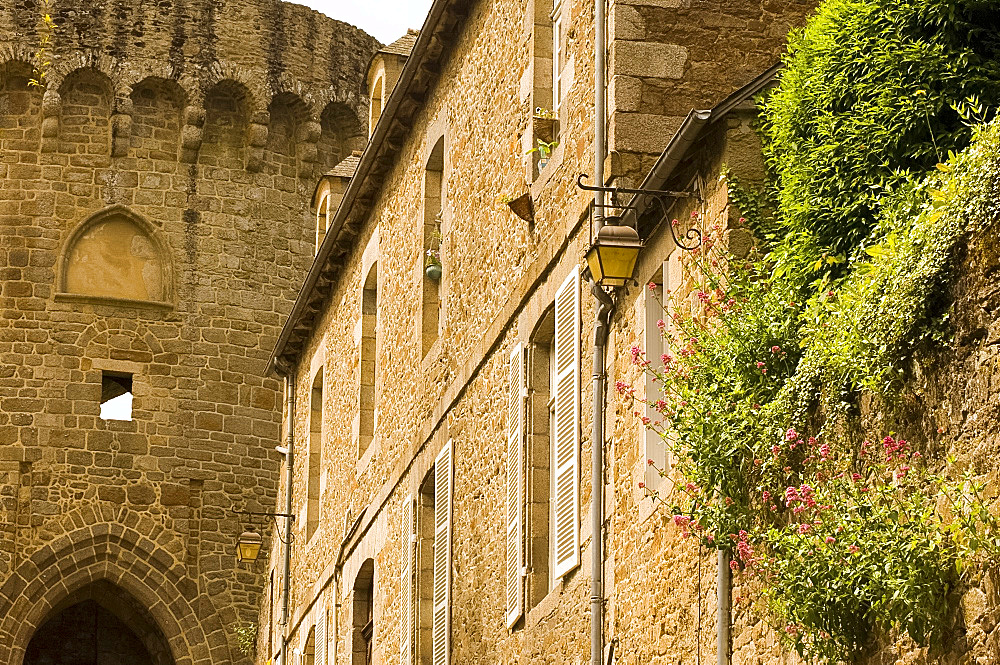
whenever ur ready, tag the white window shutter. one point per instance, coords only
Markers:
(321, 638)
(516, 395)
(408, 554)
(566, 511)
(443, 492)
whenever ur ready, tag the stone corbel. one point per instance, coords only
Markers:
(191, 134)
(257, 139)
(51, 108)
(121, 128)
(309, 133)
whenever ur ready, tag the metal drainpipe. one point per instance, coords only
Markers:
(604, 309)
(605, 306)
(289, 460)
(722, 621)
(600, 94)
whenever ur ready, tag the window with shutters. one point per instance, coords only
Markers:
(407, 582)
(368, 361)
(656, 318)
(443, 493)
(541, 486)
(515, 563)
(423, 589)
(321, 636)
(315, 457)
(363, 609)
(433, 275)
(566, 427)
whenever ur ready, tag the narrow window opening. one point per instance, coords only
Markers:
(425, 572)
(368, 416)
(364, 614)
(309, 652)
(313, 489)
(433, 276)
(557, 56)
(116, 396)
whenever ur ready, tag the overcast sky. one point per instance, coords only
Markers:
(385, 20)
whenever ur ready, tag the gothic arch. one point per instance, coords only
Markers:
(116, 255)
(108, 544)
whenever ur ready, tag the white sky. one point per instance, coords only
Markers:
(385, 20)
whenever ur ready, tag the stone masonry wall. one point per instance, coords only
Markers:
(500, 278)
(195, 127)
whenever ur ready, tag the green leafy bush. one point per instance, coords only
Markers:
(752, 365)
(867, 99)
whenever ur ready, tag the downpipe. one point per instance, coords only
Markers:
(605, 307)
(289, 463)
(724, 581)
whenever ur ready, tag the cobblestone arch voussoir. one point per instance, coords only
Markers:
(129, 550)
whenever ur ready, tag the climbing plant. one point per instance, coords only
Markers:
(880, 172)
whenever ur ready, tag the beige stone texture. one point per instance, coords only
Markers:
(154, 221)
(500, 276)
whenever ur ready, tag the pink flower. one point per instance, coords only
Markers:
(775, 349)
(649, 462)
(660, 324)
(645, 420)
(853, 549)
(765, 495)
(830, 540)
(804, 527)
(824, 450)
(642, 485)
(652, 286)
(791, 435)
(759, 364)
(775, 450)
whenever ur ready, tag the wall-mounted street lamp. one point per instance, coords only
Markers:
(613, 253)
(249, 543)
(615, 247)
(248, 546)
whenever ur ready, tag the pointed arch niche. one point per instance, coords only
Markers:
(99, 623)
(116, 257)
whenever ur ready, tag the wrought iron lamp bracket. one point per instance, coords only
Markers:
(641, 199)
(274, 518)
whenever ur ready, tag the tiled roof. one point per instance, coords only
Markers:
(347, 167)
(403, 45)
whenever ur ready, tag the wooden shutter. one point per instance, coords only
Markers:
(443, 481)
(566, 511)
(408, 554)
(321, 638)
(516, 395)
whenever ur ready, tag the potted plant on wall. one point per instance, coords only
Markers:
(544, 150)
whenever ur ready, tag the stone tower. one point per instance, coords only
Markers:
(154, 230)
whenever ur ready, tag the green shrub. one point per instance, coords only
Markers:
(867, 99)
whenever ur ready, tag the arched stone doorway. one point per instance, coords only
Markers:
(100, 624)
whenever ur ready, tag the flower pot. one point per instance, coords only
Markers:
(433, 271)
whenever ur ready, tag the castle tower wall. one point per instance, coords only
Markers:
(154, 229)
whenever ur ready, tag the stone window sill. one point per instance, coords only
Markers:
(112, 302)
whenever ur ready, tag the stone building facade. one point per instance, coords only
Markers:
(154, 230)
(437, 351)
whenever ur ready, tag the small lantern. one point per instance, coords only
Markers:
(248, 546)
(613, 255)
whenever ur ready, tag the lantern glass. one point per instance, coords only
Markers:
(613, 255)
(248, 546)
